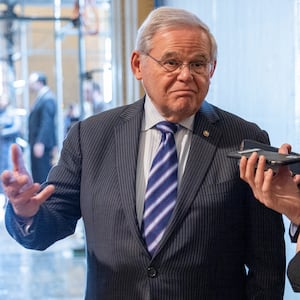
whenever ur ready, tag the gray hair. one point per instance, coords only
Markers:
(163, 18)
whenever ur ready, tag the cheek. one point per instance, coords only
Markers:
(154, 85)
(203, 87)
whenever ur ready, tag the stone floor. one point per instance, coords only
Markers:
(57, 273)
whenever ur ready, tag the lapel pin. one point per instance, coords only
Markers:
(205, 133)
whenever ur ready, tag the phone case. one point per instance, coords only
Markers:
(272, 158)
(247, 144)
(270, 152)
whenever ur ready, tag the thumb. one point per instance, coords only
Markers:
(297, 179)
(285, 148)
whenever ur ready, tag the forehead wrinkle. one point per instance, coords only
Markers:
(171, 54)
(190, 45)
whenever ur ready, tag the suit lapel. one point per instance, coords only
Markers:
(204, 143)
(127, 142)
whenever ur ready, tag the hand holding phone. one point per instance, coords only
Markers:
(273, 158)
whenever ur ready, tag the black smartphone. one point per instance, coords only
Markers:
(272, 158)
(250, 145)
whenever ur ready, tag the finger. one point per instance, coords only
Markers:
(285, 148)
(251, 168)
(15, 194)
(28, 203)
(268, 177)
(11, 182)
(17, 159)
(260, 172)
(43, 195)
(297, 178)
(6, 177)
(243, 165)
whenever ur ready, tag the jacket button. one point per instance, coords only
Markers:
(152, 272)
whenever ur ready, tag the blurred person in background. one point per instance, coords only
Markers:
(41, 127)
(93, 98)
(71, 117)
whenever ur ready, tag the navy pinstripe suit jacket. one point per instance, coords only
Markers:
(216, 230)
(293, 272)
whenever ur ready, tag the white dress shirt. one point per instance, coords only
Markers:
(150, 138)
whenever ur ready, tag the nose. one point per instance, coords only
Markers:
(185, 65)
(185, 71)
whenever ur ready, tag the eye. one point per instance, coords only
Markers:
(198, 64)
(171, 63)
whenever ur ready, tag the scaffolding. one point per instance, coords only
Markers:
(9, 20)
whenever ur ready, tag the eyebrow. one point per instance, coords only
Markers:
(170, 54)
(176, 55)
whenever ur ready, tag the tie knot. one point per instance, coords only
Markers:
(167, 127)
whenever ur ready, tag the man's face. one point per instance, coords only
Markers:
(179, 94)
(88, 91)
(33, 83)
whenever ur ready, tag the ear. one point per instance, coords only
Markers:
(212, 71)
(136, 65)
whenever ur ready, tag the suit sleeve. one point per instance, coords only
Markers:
(293, 272)
(46, 133)
(58, 215)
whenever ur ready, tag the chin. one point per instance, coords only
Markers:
(186, 106)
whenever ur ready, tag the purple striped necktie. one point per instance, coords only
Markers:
(161, 191)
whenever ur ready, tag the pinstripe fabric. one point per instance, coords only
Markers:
(293, 272)
(216, 229)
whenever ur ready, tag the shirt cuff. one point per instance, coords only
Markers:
(25, 223)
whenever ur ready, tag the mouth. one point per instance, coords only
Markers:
(184, 92)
